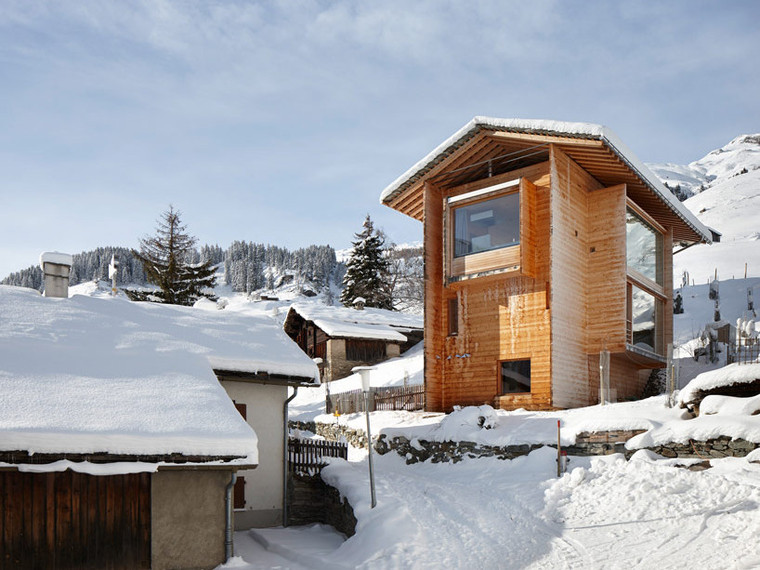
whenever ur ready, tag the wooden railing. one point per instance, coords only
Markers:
(305, 456)
(407, 398)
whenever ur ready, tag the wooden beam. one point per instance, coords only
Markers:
(533, 137)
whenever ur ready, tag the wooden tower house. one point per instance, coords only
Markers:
(548, 247)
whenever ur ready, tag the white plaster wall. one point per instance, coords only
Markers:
(263, 489)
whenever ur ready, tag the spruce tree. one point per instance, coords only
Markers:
(367, 270)
(166, 259)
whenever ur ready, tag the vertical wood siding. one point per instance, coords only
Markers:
(500, 317)
(72, 520)
(570, 188)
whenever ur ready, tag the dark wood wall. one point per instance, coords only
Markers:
(73, 520)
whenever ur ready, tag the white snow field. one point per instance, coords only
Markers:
(486, 513)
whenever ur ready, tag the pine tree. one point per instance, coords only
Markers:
(367, 270)
(167, 259)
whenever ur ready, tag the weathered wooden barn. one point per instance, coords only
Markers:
(344, 338)
(546, 245)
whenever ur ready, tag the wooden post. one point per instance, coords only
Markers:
(559, 453)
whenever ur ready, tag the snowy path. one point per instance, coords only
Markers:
(486, 513)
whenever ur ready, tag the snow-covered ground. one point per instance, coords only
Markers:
(604, 513)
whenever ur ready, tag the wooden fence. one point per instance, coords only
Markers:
(407, 398)
(747, 350)
(305, 455)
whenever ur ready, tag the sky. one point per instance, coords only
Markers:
(282, 122)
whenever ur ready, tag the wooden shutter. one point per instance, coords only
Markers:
(239, 493)
(242, 408)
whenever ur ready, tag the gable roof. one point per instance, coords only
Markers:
(109, 376)
(567, 132)
(369, 323)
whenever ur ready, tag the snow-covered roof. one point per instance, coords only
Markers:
(369, 323)
(557, 128)
(93, 375)
(56, 257)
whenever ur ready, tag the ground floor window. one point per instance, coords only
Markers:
(515, 376)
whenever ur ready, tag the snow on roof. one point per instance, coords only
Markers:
(56, 257)
(370, 323)
(94, 375)
(549, 127)
(725, 376)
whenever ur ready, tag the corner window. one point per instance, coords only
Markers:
(645, 312)
(643, 247)
(645, 298)
(491, 229)
(515, 376)
(487, 225)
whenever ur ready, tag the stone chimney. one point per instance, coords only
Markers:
(56, 267)
(359, 303)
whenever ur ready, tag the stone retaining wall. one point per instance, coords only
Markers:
(333, 432)
(586, 444)
(311, 500)
(711, 449)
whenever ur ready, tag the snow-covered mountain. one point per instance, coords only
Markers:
(725, 195)
(742, 153)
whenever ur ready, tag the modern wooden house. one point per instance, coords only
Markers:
(344, 338)
(547, 246)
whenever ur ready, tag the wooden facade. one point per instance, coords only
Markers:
(551, 303)
(72, 520)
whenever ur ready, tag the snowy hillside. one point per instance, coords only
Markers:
(741, 153)
(726, 187)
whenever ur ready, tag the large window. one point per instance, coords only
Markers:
(515, 376)
(645, 298)
(491, 229)
(643, 247)
(487, 225)
(645, 311)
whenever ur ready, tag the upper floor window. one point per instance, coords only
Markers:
(491, 229)
(487, 225)
(643, 247)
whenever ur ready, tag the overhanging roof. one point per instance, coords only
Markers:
(594, 147)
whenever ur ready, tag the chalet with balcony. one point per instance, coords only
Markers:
(548, 248)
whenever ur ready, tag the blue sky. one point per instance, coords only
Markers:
(281, 122)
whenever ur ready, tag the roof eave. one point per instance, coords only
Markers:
(595, 132)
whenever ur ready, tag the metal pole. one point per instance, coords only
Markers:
(369, 446)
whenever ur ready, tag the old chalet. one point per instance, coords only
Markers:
(344, 338)
(548, 246)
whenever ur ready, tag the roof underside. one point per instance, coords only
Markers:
(487, 150)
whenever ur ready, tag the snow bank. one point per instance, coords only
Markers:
(518, 427)
(725, 376)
